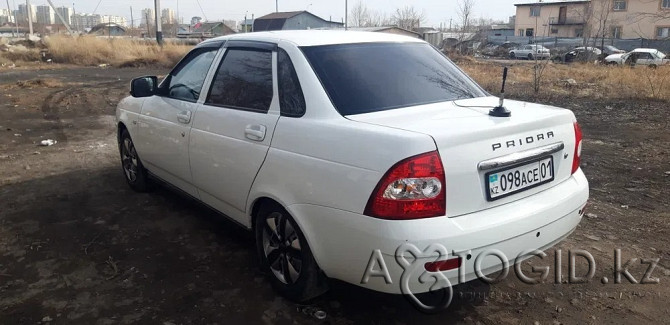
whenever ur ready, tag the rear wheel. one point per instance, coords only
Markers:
(133, 170)
(512, 55)
(285, 255)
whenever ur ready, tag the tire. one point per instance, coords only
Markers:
(512, 55)
(530, 56)
(133, 171)
(652, 66)
(285, 255)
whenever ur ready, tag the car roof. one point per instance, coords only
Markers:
(320, 37)
(645, 50)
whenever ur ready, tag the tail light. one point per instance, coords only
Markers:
(412, 189)
(445, 265)
(576, 158)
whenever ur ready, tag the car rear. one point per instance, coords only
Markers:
(491, 184)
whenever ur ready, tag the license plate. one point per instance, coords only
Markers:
(502, 183)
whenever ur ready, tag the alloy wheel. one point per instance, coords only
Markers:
(282, 248)
(129, 160)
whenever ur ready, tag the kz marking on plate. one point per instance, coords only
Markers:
(516, 179)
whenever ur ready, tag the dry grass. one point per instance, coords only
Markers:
(89, 50)
(592, 81)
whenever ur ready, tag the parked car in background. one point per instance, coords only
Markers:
(648, 57)
(530, 52)
(579, 54)
(331, 146)
(610, 49)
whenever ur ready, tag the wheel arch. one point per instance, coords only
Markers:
(119, 130)
(255, 208)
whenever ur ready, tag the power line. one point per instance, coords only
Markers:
(96, 7)
(203, 12)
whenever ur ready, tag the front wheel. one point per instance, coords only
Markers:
(133, 170)
(285, 255)
(512, 56)
(530, 56)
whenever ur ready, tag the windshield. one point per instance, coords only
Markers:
(371, 77)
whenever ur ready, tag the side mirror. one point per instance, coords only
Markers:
(144, 86)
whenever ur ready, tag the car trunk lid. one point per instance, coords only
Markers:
(467, 138)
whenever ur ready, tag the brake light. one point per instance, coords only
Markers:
(576, 158)
(412, 189)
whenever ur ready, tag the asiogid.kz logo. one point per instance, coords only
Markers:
(422, 271)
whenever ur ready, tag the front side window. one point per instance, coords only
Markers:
(371, 77)
(619, 5)
(243, 80)
(535, 11)
(186, 80)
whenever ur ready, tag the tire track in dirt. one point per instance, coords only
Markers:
(52, 103)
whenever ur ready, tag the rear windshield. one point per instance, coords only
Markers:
(372, 77)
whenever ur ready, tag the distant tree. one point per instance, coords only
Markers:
(465, 11)
(408, 17)
(359, 15)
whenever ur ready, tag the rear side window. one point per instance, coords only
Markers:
(371, 77)
(243, 80)
(291, 98)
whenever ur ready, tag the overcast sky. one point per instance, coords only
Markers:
(437, 11)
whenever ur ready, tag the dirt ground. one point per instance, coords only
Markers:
(78, 246)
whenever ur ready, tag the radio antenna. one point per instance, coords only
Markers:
(500, 110)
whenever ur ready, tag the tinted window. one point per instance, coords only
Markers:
(185, 81)
(291, 99)
(370, 77)
(243, 80)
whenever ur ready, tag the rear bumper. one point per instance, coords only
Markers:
(343, 243)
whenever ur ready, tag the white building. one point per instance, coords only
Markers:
(81, 22)
(45, 15)
(66, 13)
(6, 16)
(168, 16)
(119, 20)
(148, 17)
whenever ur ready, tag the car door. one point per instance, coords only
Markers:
(233, 129)
(166, 119)
(644, 58)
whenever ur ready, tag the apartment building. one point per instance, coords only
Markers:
(25, 11)
(81, 22)
(66, 13)
(624, 19)
(148, 17)
(6, 17)
(45, 15)
(168, 16)
(119, 20)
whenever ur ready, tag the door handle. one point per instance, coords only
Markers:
(255, 132)
(184, 117)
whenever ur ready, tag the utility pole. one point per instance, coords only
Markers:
(30, 17)
(10, 13)
(346, 14)
(246, 24)
(132, 21)
(276, 5)
(159, 23)
(252, 23)
(74, 18)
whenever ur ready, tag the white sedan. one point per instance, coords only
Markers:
(648, 57)
(337, 148)
(530, 52)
